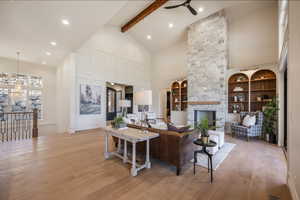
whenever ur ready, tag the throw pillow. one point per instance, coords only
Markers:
(249, 120)
(178, 130)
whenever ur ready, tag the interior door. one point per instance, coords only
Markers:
(285, 109)
(129, 96)
(168, 105)
(111, 103)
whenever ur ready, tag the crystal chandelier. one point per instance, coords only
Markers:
(18, 83)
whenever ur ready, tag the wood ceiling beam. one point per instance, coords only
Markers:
(150, 9)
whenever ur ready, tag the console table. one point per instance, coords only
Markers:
(133, 136)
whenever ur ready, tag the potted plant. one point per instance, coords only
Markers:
(270, 120)
(203, 127)
(118, 122)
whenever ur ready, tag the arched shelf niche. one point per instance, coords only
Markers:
(238, 93)
(262, 89)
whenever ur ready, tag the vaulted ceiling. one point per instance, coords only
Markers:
(30, 26)
(157, 23)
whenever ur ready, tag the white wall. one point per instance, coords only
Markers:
(293, 99)
(253, 35)
(65, 79)
(48, 124)
(252, 41)
(167, 66)
(109, 55)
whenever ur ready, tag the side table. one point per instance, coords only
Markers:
(209, 156)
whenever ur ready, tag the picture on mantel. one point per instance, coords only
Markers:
(90, 99)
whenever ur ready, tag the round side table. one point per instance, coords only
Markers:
(209, 156)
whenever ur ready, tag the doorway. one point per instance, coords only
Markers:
(117, 92)
(285, 109)
(129, 96)
(111, 101)
(168, 105)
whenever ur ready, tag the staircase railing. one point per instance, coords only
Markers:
(18, 125)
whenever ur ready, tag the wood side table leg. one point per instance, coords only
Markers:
(133, 168)
(106, 153)
(148, 163)
(125, 152)
(119, 145)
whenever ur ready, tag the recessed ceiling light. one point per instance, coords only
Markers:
(44, 62)
(48, 53)
(65, 22)
(171, 25)
(53, 43)
(112, 83)
(201, 9)
(149, 37)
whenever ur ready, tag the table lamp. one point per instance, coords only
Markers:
(124, 104)
(143, 98)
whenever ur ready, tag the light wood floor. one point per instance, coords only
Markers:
(64, 167)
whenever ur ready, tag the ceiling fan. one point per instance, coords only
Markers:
(185, 4)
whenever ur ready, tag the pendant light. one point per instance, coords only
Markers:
(18, 84)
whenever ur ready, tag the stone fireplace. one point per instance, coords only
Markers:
(207, 63)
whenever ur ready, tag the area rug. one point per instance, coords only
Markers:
(218, 158)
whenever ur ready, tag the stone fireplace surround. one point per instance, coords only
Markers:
(207, 63)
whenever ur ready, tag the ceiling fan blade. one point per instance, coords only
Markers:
(188, 1)
(193, 11)
(170, 7)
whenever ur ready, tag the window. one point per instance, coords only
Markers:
(28, 97)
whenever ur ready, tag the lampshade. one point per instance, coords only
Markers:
(125, 103)
(143, 97)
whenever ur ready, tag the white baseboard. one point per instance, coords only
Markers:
(292, 187)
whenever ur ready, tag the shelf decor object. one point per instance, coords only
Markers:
(262, 89)
(251, 95)
(238, 93)
(179, 95)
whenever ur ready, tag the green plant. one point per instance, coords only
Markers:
(270, 117)
(203, 126)
(118, 120)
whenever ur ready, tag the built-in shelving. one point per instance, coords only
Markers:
(253, 94)
(179, 95)
(238, 93)
(262, 89)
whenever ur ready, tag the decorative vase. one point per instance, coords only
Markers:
(205, 139)
(273, 139)
(267, 137)
(118, 125)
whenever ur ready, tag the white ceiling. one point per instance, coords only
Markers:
(29, 26)
(156, 24)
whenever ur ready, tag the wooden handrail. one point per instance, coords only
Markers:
(16, 112)
(35, 131)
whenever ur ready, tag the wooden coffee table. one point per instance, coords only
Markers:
(133, 136)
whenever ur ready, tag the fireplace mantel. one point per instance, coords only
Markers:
(204, 102)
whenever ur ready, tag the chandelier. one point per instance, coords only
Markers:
(18, 82)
